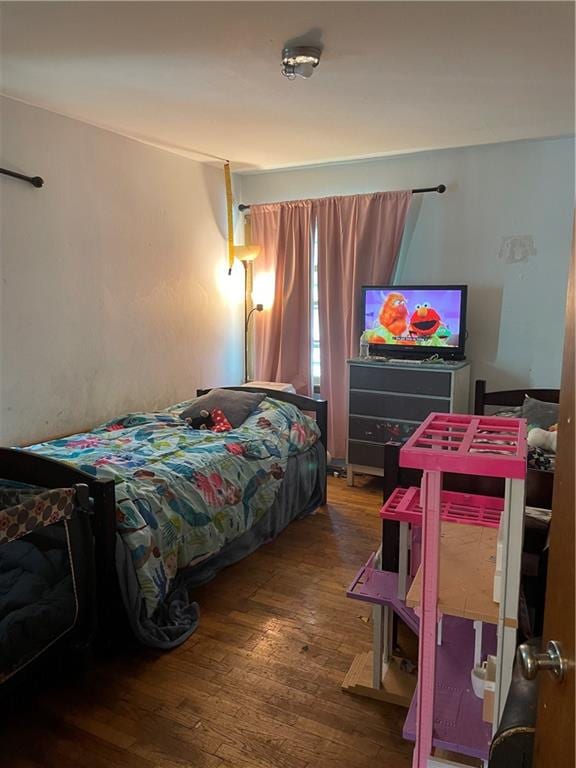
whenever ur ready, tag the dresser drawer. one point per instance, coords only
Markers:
(366, 454)
(378, 430)
(411, 381)
(393, 407)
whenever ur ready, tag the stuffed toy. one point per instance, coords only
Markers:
(220, 422)
(214, 420)
(543, 438)
(203, 421)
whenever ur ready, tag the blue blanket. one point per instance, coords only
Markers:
(182, 494)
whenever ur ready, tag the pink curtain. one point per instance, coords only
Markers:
(358, 242)
(282, 333)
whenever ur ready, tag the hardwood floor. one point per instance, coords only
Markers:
(257, 686)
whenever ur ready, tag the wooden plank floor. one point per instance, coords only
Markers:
(257, 686)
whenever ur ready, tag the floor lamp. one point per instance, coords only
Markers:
(246, 254)
(257, 308)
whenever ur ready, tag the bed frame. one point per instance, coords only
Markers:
(539, 483)
(24, 466)
(509, 397)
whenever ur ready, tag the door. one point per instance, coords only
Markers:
(554, 745)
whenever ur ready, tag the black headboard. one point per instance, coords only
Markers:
(509, 398)
(310, 404)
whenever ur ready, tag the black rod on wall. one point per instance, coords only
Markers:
(441, 188)
(36, 181)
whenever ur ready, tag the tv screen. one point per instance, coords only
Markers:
(419, 321)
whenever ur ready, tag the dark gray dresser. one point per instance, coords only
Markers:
(387, 401)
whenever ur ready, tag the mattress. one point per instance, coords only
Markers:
(37, 597)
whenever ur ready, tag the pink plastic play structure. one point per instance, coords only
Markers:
(472, 445)
(404, 506)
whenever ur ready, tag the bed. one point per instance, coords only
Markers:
(540, 476)
(174, 505)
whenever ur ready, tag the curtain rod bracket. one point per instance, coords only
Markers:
(36, 181)
(441, 188)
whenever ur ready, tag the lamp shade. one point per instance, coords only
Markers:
(247, 252)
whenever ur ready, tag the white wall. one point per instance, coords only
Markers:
(516, 310)
(115, 295)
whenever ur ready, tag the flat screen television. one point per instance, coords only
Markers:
(415, 321)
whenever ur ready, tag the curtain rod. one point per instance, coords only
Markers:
(36, 181)
(441, 188)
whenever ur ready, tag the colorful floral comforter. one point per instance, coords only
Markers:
(183, 494)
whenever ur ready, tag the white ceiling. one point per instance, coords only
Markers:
(205, 77)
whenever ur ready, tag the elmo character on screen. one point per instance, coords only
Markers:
(425, 321)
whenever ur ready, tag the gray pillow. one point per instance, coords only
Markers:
(539, 413)
(512, 412)
(235, 405)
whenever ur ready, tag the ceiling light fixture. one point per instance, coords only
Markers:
(300, 61)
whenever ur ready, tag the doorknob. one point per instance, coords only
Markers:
(531, 662)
